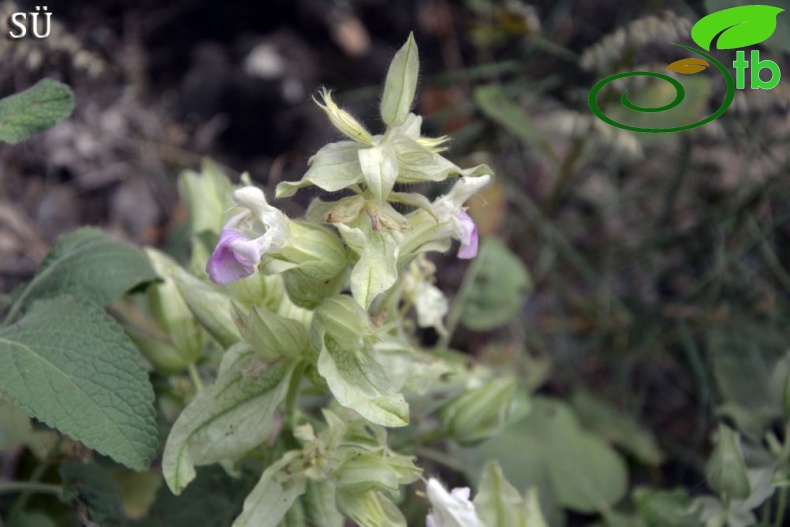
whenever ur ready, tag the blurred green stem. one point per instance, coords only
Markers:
(780, 510)
(194, 376)
(454, 316)
(12, 487)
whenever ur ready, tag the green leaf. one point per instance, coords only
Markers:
(37, 108)
(376, 271)
(661, 508)
(556, 456)
(379, 168)
(354, 374)
(616, 427)
(740, 27)
(91, 264)
(68, 364)
(277, 490)
(494, 104)
(498, 289)
(94, 487)
(232, 416)
(333, 168)
(401, 84)
(272, 336)
(744, 356)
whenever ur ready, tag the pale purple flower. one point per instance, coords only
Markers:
(456, 223)
(246, 237)
(235, 257)
(466, 233)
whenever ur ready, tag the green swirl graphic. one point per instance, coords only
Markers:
(680, 94)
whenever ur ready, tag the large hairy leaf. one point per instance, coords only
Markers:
(91, 264)
(70, 365)
(39, 107)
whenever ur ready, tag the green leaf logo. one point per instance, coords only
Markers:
(739, 27)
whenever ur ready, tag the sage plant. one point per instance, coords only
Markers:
(317, 318)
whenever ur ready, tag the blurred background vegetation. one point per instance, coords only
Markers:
(658, 263)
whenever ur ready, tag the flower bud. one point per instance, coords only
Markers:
(479, 413)
(343, 319)
(343, 120)
(371, 509)
(726, 470)
(210, 307)
(313, 262)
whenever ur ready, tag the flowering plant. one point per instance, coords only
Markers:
(307, 328)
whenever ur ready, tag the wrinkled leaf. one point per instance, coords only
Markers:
(401, 84)
(69, 365)
(498, 289)
(37, 108)
(739, 27)
(91, 264)
(227, 419)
